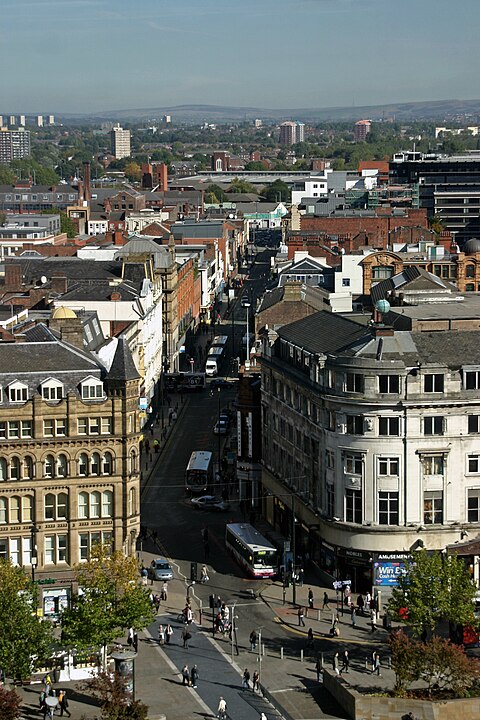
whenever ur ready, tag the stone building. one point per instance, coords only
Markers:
(69, 455)
(373, 436)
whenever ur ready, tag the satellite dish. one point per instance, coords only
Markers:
(43, 279)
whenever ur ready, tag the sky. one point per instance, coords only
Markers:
(86, 56)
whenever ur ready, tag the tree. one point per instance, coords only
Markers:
(215, 195)
(436, 224)
(9, 704)
(66, 224)
(112, 600)
(25, 639)
(277, 191)
(241, 186)
(435, 588)
(7, 176)
(116, 702)
(133, 171)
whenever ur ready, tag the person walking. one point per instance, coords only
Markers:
(360, 604)
(256, 681)
(335, 630)
(135, 641)
(185, 637)
(222, 709)
(310, 598)
(165, 591)
(301, 617)
(310, 643)
(194, 676)
(144, 574)
(185, 675)
(130, 637)
(204, 574)
(318, 669)
(373, 620)
(336, 664)
(253, 640)
(63, 702)
(246, 680)
(168, 634)
(376, 665)
(354, 617)
(325, 601)
(346, 662)
(161, 634)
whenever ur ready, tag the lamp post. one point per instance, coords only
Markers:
(218, 427)
(246, 305)
(33, 549)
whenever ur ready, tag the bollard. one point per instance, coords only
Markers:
(389, 662)
(321, 661)
(281, 653)
(318, 615)
(263, 649)
(366, 662)
(301, 656)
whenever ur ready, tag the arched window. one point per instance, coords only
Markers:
(95, 504)
(62, 466)
(3, 469)
(62, 506)
(3, 510)
(95, 464)
(27, 508)
(83, 465)
(470, 271)
(15, 468)
(132, 501)
(49, 467)
(107, 503)
(28, 467)
(133, 461)
(49, 506)
(107, 464)
(83, 506)
(14, 509)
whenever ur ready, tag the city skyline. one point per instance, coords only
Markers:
(82, 56)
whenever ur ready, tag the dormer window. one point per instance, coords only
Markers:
(92, 389)
(17, 392)
(52, 390)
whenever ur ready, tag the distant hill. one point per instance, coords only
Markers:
(427, 110)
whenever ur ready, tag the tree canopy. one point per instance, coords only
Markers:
(214, 194)
(25, 639)
(435, 588)
(112, 600)
(241, 186)
(277, 191)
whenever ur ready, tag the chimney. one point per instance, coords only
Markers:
(59, 284)
(70, 329)
(292, 291)
(13, 276)
(87, 191)
(115, 297)
(162, 177)
(119, 238)
(107, 206)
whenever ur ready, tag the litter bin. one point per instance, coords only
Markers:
(387, 623)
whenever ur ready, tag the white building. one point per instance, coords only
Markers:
(120, 139)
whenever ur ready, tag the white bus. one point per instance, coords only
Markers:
(219, 341)
(251, 550)
(199, 472)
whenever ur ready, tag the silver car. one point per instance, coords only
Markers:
(160, 569)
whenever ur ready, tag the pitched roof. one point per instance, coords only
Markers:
(122, 367)
(271, 298)
(324, 332)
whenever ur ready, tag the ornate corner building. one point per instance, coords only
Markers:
(69, 457)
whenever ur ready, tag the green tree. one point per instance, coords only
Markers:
(25, 639)
(435, 588)
(215, 194)
(116, 702)
(256, 165)
(10, 703)
(241, 186)
(66, 224)
(7, 176)
(436, 224)
(277, 191)
(133, 171)
(112, 600)
(39, 173)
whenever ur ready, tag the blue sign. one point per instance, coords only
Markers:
(387, 573)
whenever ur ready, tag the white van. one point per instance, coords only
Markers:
(211, 367)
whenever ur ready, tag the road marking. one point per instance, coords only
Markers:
(173, 667)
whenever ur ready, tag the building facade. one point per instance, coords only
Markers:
(120, 139)
(69, 456)
(14, 144)
(372, 435)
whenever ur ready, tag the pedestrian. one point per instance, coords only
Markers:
(368, 598)
(373, 603)
(188, 615)
(310, 643)
(263, 716)
(325, 601)
(47, 682)
(135, 641)
(256, 680)
(165, 591)
(335, 630)
(168, 633)
(156, 602)
(130, 637)
(300, 577)
(301, 616)
(336, 664)
(186, 636)
(161, 634)
(376, 665)
(144, 574)
(373, 620)
(246, 680)
(204, 574)
(360, 604)
(41, 697)
(318, 668)
(194, 676)
(156, 445)
(253, 640)
(63, 701)
(354, 617)
(346, 662)
(222, 709)
(310, 598)
(185, 675)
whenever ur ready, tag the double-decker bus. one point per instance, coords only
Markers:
(199, 472)
(251, 550)
(180, 381)
(219, 341)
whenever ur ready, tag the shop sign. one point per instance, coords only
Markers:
(387, 573)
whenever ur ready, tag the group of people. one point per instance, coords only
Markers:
(246, 680)
(190, 677)
(51, 700)
(165, 633)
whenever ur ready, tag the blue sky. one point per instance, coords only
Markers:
(93, 55)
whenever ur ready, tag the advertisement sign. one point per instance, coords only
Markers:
(387, 573)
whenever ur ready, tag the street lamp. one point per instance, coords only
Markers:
(218, 428)
(246, 305)
(33, 549)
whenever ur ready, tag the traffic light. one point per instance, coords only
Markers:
(193, 572)
(211, 601)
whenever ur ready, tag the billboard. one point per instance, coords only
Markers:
(387, 573)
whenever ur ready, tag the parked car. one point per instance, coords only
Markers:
(220, 383)
(160, 569)
(221, 426)
(210, 502)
